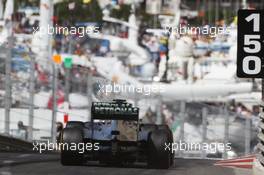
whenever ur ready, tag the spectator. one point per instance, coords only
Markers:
(153, 47)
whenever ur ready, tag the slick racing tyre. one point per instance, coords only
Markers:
(75, 124)
(148, 127)
(158, 157)
(166, 127)
(69, 137)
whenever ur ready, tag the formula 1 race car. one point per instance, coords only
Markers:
(117, 137)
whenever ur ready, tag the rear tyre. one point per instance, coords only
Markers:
(166, 127)
(75, 124)
(158, 157)
(71, 136)
(148, 127)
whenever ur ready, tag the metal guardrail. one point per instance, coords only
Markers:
(8, 143)
(261, 138)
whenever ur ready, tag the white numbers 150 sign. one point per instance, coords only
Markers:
(249, 45)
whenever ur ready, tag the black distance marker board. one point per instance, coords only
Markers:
(250, 49)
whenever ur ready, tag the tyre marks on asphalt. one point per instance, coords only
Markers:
(182, 167)
(7, 169)
(35, 164)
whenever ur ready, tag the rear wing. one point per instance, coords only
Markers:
(116, 110)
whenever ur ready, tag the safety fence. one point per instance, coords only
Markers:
(211, 131)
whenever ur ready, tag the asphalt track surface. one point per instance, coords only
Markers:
(49, 164)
